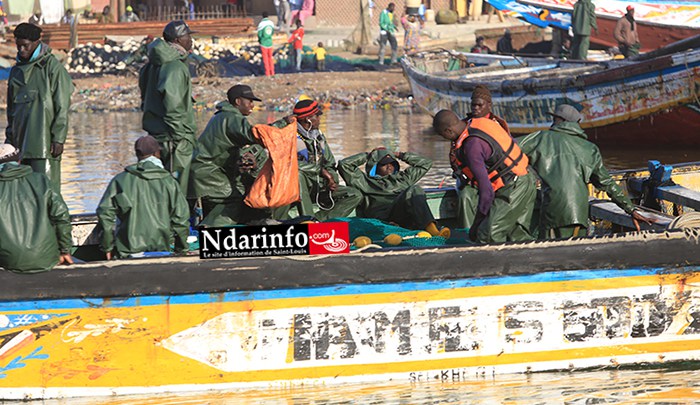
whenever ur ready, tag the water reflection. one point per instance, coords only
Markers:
(609, 387)
(99, 145)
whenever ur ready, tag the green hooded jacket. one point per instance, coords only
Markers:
(38, 100)
(566, 162)
(380, 191)
(583, 17)
(215, 172)
(153, 214)
(35, 224)
(166, 94)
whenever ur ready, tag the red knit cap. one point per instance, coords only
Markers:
(306, 108)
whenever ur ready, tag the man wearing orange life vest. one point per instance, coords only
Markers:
(487, 158)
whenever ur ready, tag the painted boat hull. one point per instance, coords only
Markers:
(652, 102)
(177, 325)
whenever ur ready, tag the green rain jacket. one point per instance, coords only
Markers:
(215, 172)
(35, 223)
(583, 17)
(566, 162)
(38, 100)
(386, 21)
(166, 94)
(379, 192)
(151, 209)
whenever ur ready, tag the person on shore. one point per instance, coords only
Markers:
(504, 46)
(565, 51)
(391, 194)
(318, 177)
(567, 162)
(387, 32)
(145, 205)
(411, 37)
(296, 39)
(627, 35)
(226, 162)
(320, 54)
(106, 16)
(38, 100)
(284, 11)
(166, 97)
(68, 18)
(480, 46)
(37, 18)
(582, 20)
(129, 15)
(488, 158)
(35, 231)
(266, 29)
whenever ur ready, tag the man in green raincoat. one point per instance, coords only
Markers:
(391, 194)
(318, 177)
(582, 20)
(166, 96)
(566, 162)
(35, 230)
(38, 100)
(152, 212)
(226, 162)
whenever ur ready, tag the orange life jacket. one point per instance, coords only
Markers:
(506, 156)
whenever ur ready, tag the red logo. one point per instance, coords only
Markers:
(329, 238)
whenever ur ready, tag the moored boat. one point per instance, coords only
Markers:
(651, 101)
(178, 324)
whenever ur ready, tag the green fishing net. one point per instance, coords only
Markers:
(377, 230)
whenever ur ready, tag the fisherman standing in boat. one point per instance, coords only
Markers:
(582, 20)
(166, 97)
(391, 194)
(488, 158)
(566, 162)
(626, 34)
(226, 161)
(38, 100)
(318, 177)
(35, 231)
(145, 204)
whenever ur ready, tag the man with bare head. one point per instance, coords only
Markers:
(484, 156)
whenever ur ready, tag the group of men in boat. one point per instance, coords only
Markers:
(146, 208)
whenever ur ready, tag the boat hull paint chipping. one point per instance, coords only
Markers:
(406, 331)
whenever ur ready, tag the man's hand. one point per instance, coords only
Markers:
(108, 255)
(474, 229)
(246, 163)
(399, 155)
(56, 149)
(637, 217)
(65, 258)
(332, 185)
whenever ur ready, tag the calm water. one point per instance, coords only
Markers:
(99, 145)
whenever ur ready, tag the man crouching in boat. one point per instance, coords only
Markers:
(486, 155)
(146, 199)
(566, 162)
(391, 194)
(35, 230)
(318, 177)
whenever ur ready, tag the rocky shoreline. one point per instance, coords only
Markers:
(341, 90)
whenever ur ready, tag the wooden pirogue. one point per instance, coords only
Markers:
(419, 314)
(57, 36)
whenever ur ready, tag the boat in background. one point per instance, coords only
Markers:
(659, 23)
(653, 100)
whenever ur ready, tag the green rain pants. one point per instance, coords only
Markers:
(510, 217)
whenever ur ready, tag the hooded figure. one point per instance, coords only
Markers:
(38, 99)
(152, 212)
(566, 162)
(166, 99)
(35, 231)
(391, 194)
